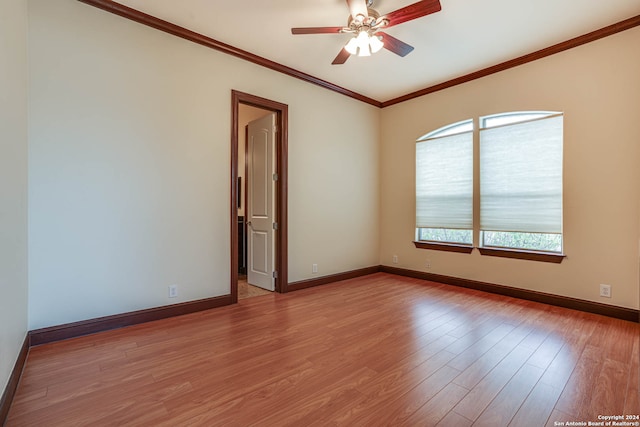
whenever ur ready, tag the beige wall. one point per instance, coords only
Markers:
(598, 89)
(13, 183)
(129, 167)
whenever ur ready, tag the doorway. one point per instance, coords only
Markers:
(242, 228)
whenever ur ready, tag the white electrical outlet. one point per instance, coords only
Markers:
(173, 291)
(314, 268)
(427, 264)
(605, 291)
(395, 259)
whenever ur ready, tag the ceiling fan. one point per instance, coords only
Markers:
(365, 24)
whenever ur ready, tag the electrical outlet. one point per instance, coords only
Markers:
(173, 291)
(395, 259)
(605, 291)
(314, 268)
(427, 264)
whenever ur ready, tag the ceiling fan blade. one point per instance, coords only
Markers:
(342, 57)
(413, 11)
(317, 30)
(358, 7)
(394, 45)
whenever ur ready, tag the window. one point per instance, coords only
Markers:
(519, 188)
(444, 185)
(521, 181)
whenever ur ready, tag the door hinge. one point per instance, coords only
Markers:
(275, 176)
(275, 225)
(275, 274)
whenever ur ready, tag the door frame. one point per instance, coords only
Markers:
(281, 153)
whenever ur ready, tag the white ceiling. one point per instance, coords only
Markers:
(465, 36)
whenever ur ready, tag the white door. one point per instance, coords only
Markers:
(260, 205)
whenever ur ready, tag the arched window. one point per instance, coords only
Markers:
(444, 184)
(520, 182)
(452, 129)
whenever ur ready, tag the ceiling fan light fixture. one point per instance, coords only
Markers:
(364, 24)
(375, 44)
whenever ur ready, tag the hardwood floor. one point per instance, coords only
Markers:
(245, 290)
(376, 350)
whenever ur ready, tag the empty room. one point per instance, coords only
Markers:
(319, 212)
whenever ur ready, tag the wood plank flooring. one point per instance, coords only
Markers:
(376, 350)
(245, 290)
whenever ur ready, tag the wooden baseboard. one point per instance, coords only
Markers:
(309, 283)
(76, 329)
(91, 326)
(557, 300)
(14, 379)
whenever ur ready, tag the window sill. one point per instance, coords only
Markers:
(498, 252)
(448, 247)
(520, 254)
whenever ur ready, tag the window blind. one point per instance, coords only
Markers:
(444, 182)
(521, 176)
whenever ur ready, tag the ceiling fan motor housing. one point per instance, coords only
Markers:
(369, 24)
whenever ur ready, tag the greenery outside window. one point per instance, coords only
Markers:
(546, 242)
(446, 235)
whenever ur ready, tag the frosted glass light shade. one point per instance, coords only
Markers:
(352, 46)
(376, 44)
(363, 44)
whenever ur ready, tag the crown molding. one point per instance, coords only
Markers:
(184, 33)
(539, 54)
(176, 30)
